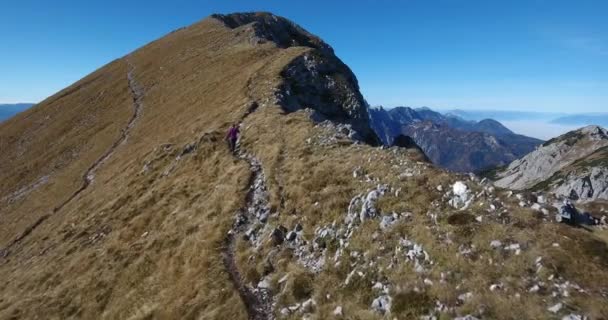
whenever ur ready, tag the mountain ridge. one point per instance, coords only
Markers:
(304, 220)
(215, 76)
(8, 110)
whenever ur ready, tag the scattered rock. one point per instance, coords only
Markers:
(382, 304)
(541, 199)
(378, 286)
(308, 305)
(461, 195)
(465, 296)
(264, 284)
(495, 244)
(285, 312)
(555, 308)
(389, 220)
(291, 236)
(368, 208)
(338, 311)
(278, 235)
(189, 148)
(415, 253)
(467, 317)
(573, 316)
(514, 247)
(496, 286)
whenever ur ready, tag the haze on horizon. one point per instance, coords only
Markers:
(519, 55)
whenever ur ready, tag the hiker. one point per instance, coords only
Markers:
(232, 136)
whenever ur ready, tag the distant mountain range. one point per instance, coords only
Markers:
(578, 119)
(451, 141)
(504, 115)
(9, 110)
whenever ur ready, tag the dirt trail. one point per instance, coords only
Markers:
(89, 175)
(258, 301)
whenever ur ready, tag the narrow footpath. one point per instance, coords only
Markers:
(256, 210)
(137, 94)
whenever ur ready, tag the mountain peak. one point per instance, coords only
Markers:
(595, 132)
(267, 26)
(591, 133)
(313, 77)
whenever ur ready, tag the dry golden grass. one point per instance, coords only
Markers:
(136, 244)
(305, 175)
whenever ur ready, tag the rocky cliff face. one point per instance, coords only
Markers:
(317, 79)
(569, 165)
(589, 183)
(451, 142)
(267, 27)
(584, 179)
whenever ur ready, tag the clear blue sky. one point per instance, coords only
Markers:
(523, 55)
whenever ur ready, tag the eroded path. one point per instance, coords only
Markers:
(137, 94)
(89, 175)
(258, 301)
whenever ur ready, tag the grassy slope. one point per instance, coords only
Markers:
(305, 174)
(90, 258)
(60, 137)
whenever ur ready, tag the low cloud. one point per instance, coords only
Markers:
(538, 129)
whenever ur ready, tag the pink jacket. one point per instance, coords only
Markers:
(233, 133)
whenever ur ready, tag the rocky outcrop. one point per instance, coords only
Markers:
(320, 81)
(585, 179)
(269, 27)
(590, 184)
(317, 79)
(572, 165)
